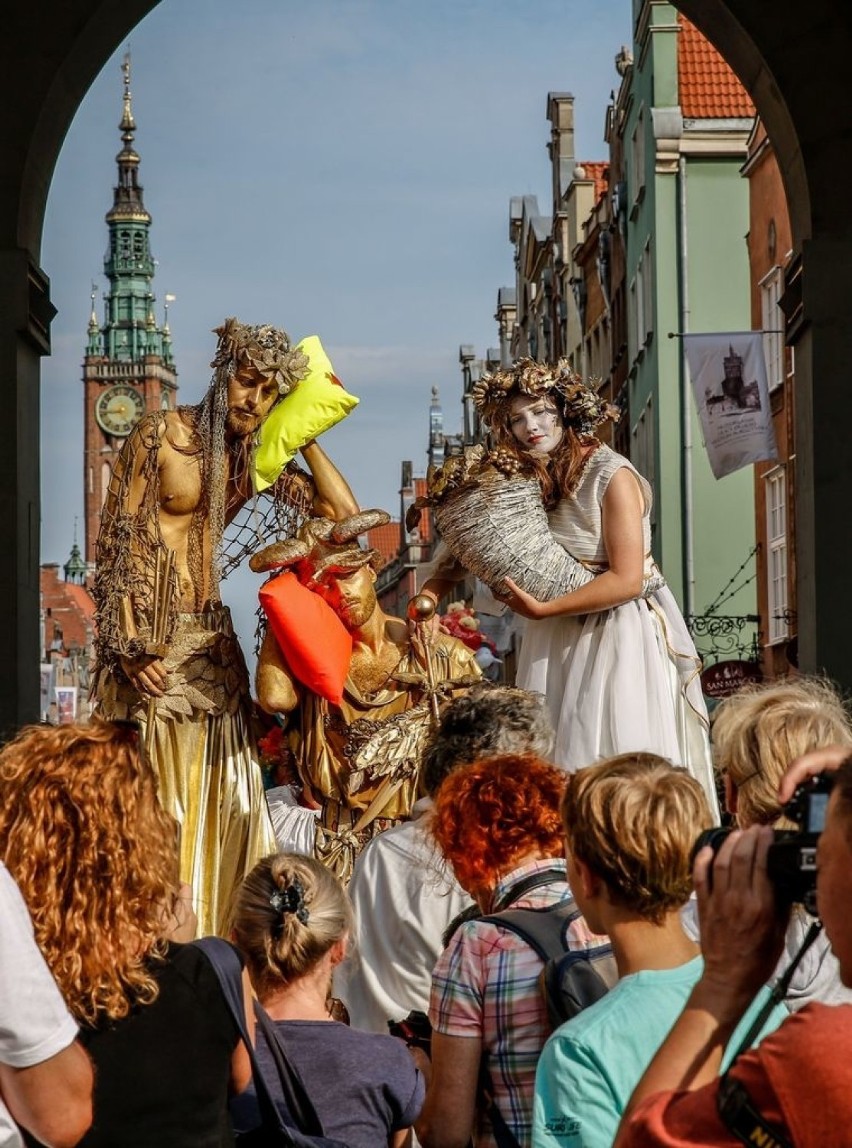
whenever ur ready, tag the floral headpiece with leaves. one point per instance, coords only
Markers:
(266, 350)
(582, 407)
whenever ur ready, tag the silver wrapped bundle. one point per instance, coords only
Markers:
(489, 513)
(496, 527)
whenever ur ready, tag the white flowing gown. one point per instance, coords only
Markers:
(622, 679)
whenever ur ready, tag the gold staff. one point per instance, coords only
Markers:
(421, 611)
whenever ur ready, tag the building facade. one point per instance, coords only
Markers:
(128, 368)
(682, 122)
(67, 645)
(770, 260)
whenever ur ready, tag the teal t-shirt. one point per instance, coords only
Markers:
(592, 1063)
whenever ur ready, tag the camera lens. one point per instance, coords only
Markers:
(712, 837)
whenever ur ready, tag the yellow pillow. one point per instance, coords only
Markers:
(314, 405)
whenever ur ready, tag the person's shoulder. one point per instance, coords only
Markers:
(378, 1047)
(386, 847)
(174, 428)
(189, 963)
(8, 889)
(456, 650)
(606, 462)
(825, 1019)
(583, 1031)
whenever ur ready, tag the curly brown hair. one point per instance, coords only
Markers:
(633, 819)
(95, 858)
(490, 815)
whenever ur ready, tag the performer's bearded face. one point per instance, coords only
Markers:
(352, 596)
(250, 399)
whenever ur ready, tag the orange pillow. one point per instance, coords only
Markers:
(312, 638)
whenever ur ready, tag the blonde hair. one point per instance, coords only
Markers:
(95, 858)
(634, 819)
(758, 731)
(286, 915)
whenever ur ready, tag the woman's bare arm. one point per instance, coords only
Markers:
(621, 515)
(450, 1106)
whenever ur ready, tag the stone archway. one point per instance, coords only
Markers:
(793, 62)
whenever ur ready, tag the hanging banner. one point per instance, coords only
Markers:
(66, 704)
(728, 375)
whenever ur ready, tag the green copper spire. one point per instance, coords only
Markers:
(130, 331)
(95, 345)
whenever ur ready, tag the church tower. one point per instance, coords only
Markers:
(128, 368)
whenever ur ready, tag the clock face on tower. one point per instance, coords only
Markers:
(119, 409)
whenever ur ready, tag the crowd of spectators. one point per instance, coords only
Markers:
(117, 1028)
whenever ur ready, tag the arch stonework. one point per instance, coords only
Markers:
(791, 57)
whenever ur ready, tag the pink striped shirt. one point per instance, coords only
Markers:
(486, 985)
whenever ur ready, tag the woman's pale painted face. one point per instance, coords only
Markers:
(535, 423)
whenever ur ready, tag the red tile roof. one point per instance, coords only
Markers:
(707, 85)
(598, 170)
(385, 539)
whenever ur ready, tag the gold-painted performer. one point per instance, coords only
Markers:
(359, 760)
(166, 652)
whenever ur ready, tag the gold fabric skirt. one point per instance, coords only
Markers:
(205, 759)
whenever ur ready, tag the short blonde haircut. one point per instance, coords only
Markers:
(634, 819)
(758, 731)
(279, 946)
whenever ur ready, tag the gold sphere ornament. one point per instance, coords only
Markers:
(421, 608)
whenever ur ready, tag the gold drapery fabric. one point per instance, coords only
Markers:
(205, 760)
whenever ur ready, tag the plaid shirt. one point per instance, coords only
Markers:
(486, 985)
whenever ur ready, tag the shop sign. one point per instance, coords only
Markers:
(725, 678)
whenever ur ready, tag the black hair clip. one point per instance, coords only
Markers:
(291, 900)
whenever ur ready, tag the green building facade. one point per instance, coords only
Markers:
(687, 270)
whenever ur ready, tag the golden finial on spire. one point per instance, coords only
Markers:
(127, 124)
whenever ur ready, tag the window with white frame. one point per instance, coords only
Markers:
(772, 320)
(776, 553)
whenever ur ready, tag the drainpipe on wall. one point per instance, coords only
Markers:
(687, 509)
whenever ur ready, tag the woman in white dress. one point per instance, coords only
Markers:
(614, 658)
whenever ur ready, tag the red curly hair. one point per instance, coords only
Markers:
(94, 855)
(490, 815)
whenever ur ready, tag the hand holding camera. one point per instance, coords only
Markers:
(742, 930)
(746, 881)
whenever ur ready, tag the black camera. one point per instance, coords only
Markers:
(414, 1029)
(791, 860)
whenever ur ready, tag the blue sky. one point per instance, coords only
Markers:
(340, 168)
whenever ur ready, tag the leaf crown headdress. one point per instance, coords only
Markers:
(582, 407)
(265, 349)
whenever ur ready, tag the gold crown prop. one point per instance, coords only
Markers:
(266, 350)
(582, 407)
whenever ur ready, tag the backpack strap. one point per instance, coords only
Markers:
(228, 967)
(544, 930)
(527, 884)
